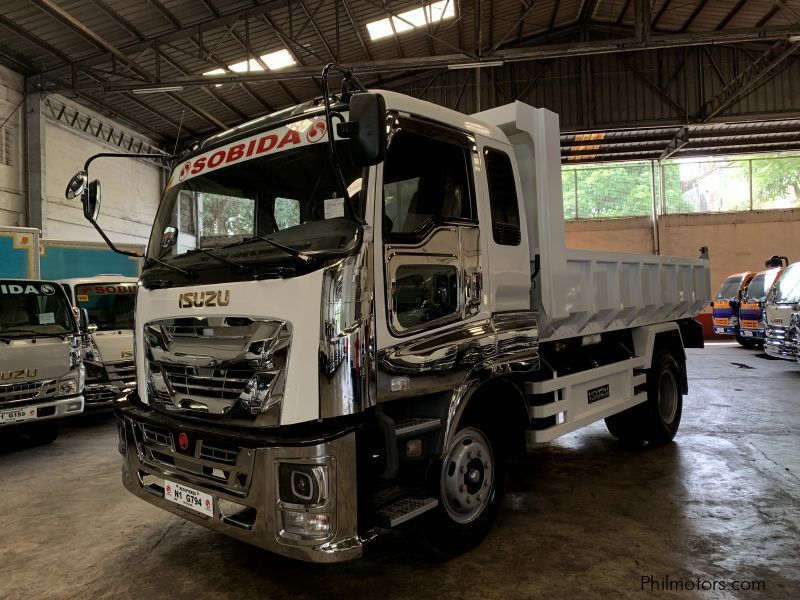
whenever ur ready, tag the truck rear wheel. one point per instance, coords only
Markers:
(656, 420)
(471, 482)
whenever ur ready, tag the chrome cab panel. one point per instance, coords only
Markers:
(218, 366)
(347, 337)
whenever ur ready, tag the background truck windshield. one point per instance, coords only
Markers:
(788, 287)
(110, 305)
(33, 308)
(730, 287)
(289, 195)
(760, 284)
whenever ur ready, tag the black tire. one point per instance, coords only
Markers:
(657, 419)
(450, 529)
(45, 432)
(746, 343)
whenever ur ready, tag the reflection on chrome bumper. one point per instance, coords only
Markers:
(243, 483)
(780, 342)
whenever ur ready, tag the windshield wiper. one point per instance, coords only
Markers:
(299, 254)
(222, 259)
(185, 272)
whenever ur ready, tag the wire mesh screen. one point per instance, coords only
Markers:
(633, 189)
(607, 191)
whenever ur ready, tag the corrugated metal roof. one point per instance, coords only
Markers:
(215, 33)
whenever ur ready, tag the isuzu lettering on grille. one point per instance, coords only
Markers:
(207, 298)
(18, 374)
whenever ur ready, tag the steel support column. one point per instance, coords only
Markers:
(35, 202)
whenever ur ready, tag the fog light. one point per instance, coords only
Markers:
(307, 525)
(303, 484)
(67, 387)
(73, 406)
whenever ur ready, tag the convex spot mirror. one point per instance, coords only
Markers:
(366, 129)
(77, 185)
(88, 192)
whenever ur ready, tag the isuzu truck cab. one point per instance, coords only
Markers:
(108, 344)
(782, 302)
(373, 310)
(726, 304)
(41, 373)
(752, 328)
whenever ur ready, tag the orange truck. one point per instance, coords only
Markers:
(752, 328)
(726, 305)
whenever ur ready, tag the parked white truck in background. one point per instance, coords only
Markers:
(41, 375)
(388, 317)
(108, 344)
(782, 302)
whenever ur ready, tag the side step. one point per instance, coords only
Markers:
(404, 510)
(404, 428)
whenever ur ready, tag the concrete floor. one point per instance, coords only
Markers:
(584, 517)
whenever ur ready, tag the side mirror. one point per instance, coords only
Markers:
(366, 129)
(77, 185)
(83, 320)
(91, 201)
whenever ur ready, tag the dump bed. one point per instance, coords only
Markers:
(581, 292)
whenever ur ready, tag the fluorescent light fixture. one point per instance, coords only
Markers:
(278, 60)
(476, 65)
(794, 38)
(215, 72)
(158, 90)
(411, 19)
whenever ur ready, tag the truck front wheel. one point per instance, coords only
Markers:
(656, 420)
(470, 491)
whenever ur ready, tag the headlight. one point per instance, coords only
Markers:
(68, 386)
(303, 484)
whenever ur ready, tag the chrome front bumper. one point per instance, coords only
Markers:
(780, 342)
(49, 409)
(246, 477)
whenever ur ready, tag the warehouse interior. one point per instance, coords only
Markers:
(679, 130)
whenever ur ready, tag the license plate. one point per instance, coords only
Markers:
(189, 498)
(719, 330)
(16, 415)
(747, 333)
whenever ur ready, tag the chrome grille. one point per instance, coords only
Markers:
(223, 455)
(156, 435)
(225, 384)
(98, 395)
(17, 392)
(218, 365)
(121, 372)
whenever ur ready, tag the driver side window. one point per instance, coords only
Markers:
(425, 180)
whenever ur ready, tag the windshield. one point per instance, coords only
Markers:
(730, 288)
(33, 308)
(279, 185)
(787, 288)
(110, 305)
(760, 284)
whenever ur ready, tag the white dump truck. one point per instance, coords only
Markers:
(338, 334)
(41, 374)
(108, 344)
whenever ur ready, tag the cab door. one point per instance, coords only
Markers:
(431, 311)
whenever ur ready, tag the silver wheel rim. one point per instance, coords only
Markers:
(467, 480)
(667, 396)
